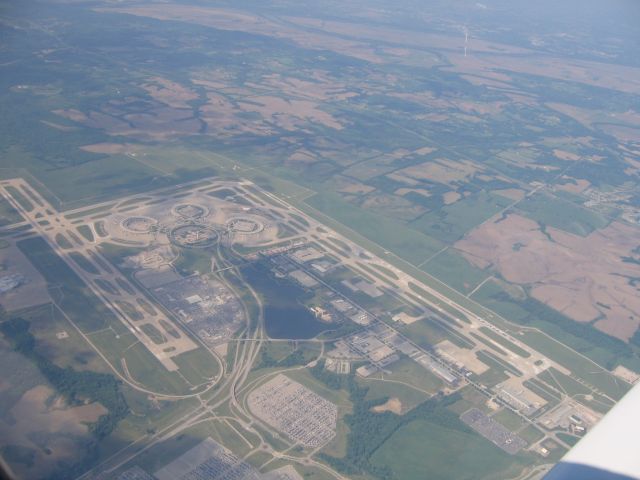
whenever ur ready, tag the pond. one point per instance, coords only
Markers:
(284, 314)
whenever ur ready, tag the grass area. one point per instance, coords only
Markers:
(381, 390)
(339, 397)
(197, 366)
(63, 242)
(424, 333)
(541, 389)
(19, 197)
(409, 372)
(451, 222)
(445, 453)
(531, 434)
(469, 397)
(133, 313)
(575, 389)
(562, 383)
(8, 214)
(194, 260)
(489, 344)
(405, 242)
(71, 351)
(259, 458)
(368, 268)
(153, 333)
(84, 263)
(508, 344)
(385, 271)
(570, 440)
(145, 369)
(75, 299)
(494, 361)
(509, 420)
(86, 232)
(579, 366)
(564, 215)
(149, 416)
(100, 228)
(433, 300)
(89, 211)
(454, 270)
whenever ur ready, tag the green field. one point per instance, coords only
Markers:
(405, 242)
(451, 268)
(197, 366)
(554, 212)
(77, 301)
(425, 448)
(86, 232)
(19, 197)
(381, 390)
(145, 370)
(505, 342)
(8, 214)
(451, 222)
(407, 371)
(581, 367)
(509, 420)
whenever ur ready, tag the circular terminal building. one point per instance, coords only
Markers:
(247, 229)
(139, 225)
(193, 236)
(245, 225)
(190, 211)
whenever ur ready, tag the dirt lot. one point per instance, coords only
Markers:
(392, 405)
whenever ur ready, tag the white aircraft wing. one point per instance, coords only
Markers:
(611, 450)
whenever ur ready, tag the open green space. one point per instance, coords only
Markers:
(8, 214)
(494, 361)
(509, 420)
(451, 268)
(86, 232)
(530, 434)
(508, 344)
(197, 366)
(62, 241)
(75, 299)
(406, 371)
(390, 234)
(489, 344)
(153, 333)
(74, 385)
(60, 341)
(451, 222)
(380, 390)
(19, 197)
(562, 214)
(570, 440)
(441, 452)
(579, 366)
(146, 370)
(84, 263)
